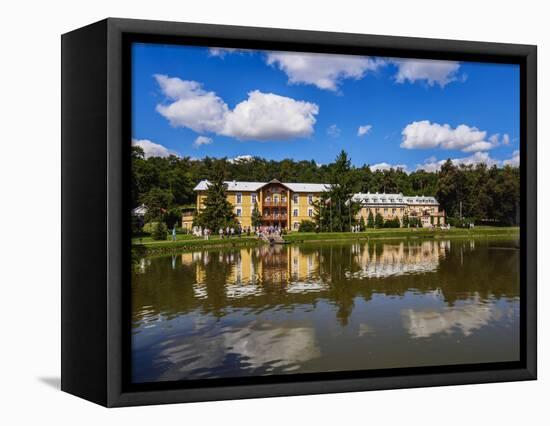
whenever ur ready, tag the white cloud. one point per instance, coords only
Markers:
(202, 140)
(364, 130)
(425, 135)
(266, 116)
(192, 107)
(514, 161)
(386, 166)
(326, 71)
(263, 116)
(152, 149)
(433, 165)
(333, 131)
(431, 71)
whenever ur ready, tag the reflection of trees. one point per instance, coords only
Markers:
(261, 277)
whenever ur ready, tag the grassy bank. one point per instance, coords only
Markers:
(147, 246)
(479, 232)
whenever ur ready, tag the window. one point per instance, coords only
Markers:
(295, 213)
(310, 212)
(239, 212)
(253, 197)
(276, 198)
(239, 198)
(385, 210)
(310, 199)
(295, 198)
(393, 211)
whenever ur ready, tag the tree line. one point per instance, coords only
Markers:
(479, 193)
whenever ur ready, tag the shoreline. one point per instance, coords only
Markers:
(170, 247)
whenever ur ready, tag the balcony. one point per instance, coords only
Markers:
(276, 217)
(272, 203)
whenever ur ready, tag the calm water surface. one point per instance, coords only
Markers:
(324, 307)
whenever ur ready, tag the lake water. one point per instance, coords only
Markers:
(324, 307)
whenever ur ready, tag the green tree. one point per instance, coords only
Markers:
(370, 220)
(173, 217)
(218, 211)
(378, 221)
(307, 226)
(158, 202)
(405, 220)
(160, 231)
(362, 224)
(336, 211)
(256, 216)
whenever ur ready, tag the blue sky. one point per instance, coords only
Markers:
(197, 102)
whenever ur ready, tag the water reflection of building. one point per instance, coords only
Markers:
(398, 259)
(296, 269)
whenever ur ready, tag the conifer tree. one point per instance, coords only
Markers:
(218, 211)
(379, 221)
(256, 216)
(370, 220)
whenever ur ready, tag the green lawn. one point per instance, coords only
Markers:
(189, 242)
(480, 231)
(183, 238)
(148, 246)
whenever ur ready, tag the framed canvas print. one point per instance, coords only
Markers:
(252, 212)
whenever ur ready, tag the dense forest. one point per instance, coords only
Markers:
(488, 195)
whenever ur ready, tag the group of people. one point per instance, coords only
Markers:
(227, 232)
(269, 230)
(230, 231)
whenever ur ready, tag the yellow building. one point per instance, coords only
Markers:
(280, 204)
(187, 216)
(287, 204)
(392, 206)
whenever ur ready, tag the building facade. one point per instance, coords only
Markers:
(280, 204)
(391, 206)
(285, 205)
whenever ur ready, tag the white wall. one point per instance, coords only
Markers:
(30, 182)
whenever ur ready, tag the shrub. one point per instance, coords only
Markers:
(160, 231)
(392, 223)
(307, 226)
(149, 227)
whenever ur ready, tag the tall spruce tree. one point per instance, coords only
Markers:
(370, 220)
(256, 218)
(217, 212)
(336, 212)
(378, 221)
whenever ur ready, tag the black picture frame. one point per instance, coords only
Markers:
(95, 177)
